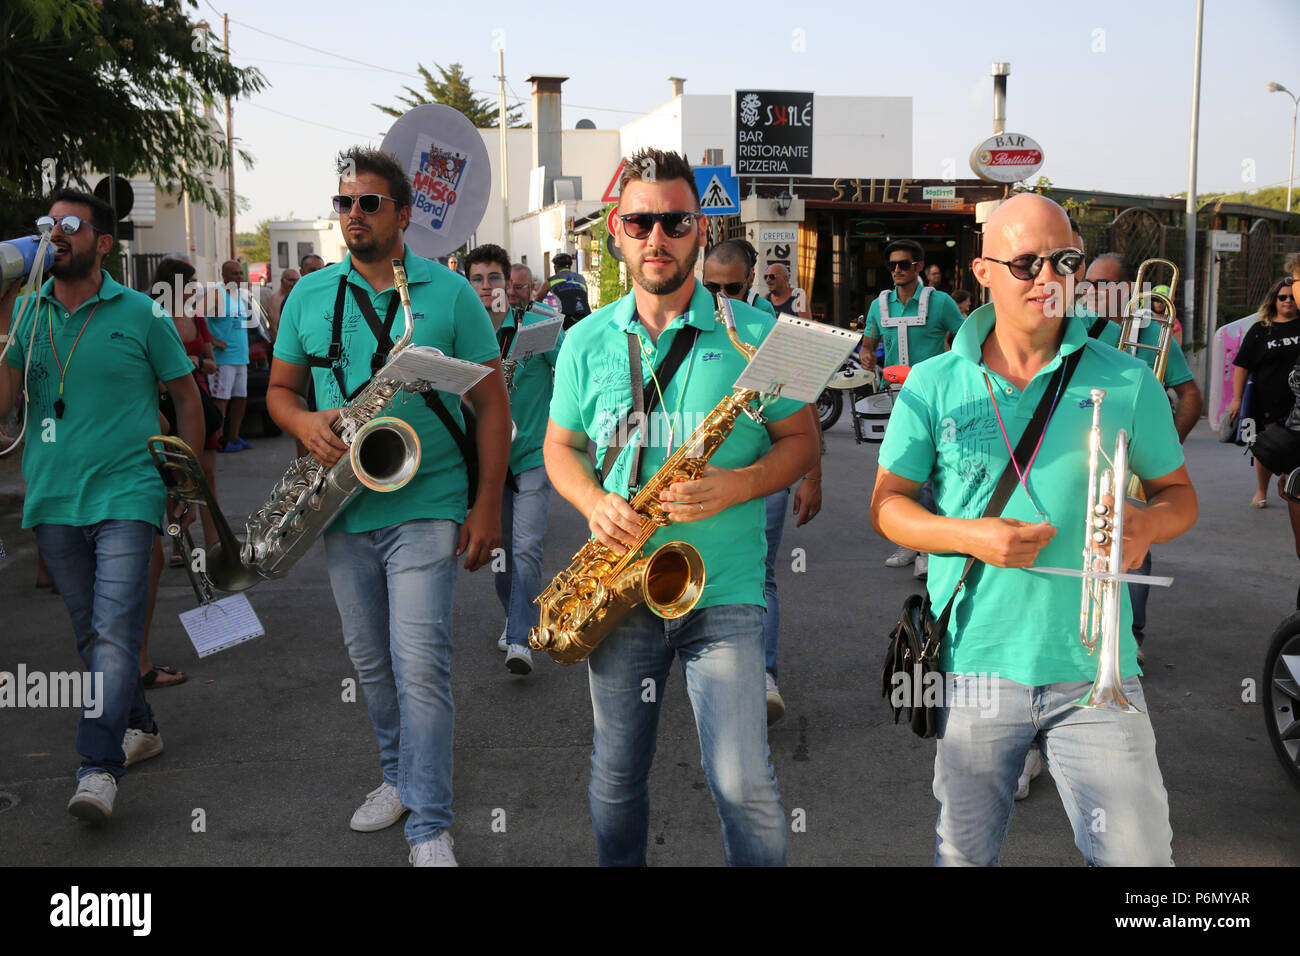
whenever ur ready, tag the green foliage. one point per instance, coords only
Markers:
(1073, 207)
(255, 246)
(611, 286)
(121, 84)
(1273, 198)
(453, 90)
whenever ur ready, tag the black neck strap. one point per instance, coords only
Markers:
(382, 332)
(1006, 485)
(644, 401)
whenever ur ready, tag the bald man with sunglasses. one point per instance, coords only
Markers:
(1013, 642)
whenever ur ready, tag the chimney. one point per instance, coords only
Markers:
(679, 83)
(547, 149)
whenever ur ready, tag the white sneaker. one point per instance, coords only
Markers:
(1033, 767)
(383, 808)
(436, 852)
(93, 801)
(775, 705)
(900, 558)
(922, 566)
(501, 641)
(139, 745)
(519, 659)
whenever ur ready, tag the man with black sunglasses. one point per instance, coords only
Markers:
(720, 642)
(782, 296)
(729, 269)
(97, 353)
(392, 555)
(1014, 663)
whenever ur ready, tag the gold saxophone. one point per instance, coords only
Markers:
(599, 589)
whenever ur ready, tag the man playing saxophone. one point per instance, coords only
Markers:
(1013, 641)
(720, 642)
(392, 556)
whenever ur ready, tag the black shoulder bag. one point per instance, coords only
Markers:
(914, 642)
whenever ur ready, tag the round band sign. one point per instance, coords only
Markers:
(1006, 158)
(450, 176)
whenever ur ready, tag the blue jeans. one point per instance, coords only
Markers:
(393, 587)
(721, 651)
(1104, 765)
(777, 503)
(523, 525)
(1137, 595)
(102, 573)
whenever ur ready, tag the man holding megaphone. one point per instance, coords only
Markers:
(89, 353)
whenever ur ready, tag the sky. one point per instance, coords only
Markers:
(1105, 87)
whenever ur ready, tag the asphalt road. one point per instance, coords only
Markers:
(262, 742)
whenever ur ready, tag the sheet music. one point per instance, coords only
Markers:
(798, 357)
(534, 339)
(443, 372)
(222, 624)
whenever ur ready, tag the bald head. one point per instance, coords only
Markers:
(1022, 216)
(231, 271)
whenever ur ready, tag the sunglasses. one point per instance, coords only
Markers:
(896, 264)
(1285, 298)
(733, 289)
(639, 225)
(369, 203)
(69, 225)
(1065, 262)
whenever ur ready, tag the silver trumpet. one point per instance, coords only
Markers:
(1103, 566)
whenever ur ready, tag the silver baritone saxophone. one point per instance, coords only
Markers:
(383, 455)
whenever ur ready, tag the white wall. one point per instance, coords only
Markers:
(323, 234)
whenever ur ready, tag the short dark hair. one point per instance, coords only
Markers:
(729, 251)
(651, 165)
(102, 215)
(961, 295)
(364, 159)
(488, 252)
(311, 255)
(1126, 273)
(907, 245)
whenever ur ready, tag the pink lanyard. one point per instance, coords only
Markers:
(1024, 475)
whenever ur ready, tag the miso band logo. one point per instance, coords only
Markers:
(81, 690)
(77, 909)
(435, 183)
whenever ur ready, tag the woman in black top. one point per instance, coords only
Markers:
(1268, 353)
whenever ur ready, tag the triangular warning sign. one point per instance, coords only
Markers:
(715, 196)
(612, 190)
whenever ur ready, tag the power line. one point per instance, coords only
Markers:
(313, 122)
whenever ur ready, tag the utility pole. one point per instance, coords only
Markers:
(505, 162)
(1189, 214)
(230, 141)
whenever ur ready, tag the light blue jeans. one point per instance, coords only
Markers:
(777, 505)
(721, 649)
(523, 525)
(102, 573)
(1104, 765)
(394, 590)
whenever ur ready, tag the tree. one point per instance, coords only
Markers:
(453, 90)
(255, 246)
(120, 84)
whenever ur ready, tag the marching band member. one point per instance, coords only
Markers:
(720, 642)
(1014, 637)
(392, 556)
(93, 496)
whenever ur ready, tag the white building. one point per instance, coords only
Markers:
(291, 239)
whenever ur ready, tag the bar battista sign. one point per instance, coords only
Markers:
(1006, 158)
(774, 133)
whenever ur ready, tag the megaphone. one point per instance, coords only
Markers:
(18, 257)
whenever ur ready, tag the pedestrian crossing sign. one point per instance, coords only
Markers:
(719, 190)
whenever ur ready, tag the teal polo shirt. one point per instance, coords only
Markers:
(231, 326)
(923, 341)
(92, 464)
(763, 305)
(1012, 622)
(1176, 370)
(593, 390)
(449, 316)
(531, 399)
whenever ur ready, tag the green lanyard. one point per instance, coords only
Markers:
(59, 404)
